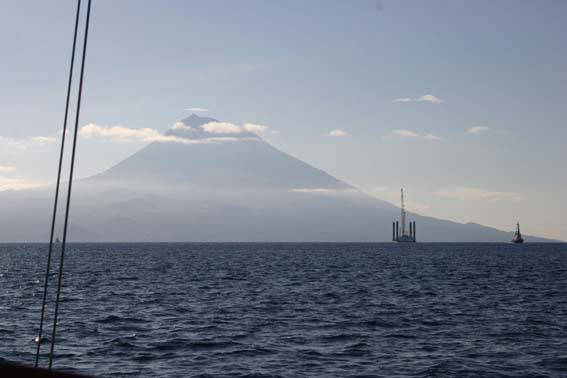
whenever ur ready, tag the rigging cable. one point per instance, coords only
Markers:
(70, 185)
(40, 333)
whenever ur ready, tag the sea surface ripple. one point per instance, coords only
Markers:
(293, 310)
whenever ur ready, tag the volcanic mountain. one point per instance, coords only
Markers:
(207, 181)
(230, 160)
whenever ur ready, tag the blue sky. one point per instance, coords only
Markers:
(305, 69)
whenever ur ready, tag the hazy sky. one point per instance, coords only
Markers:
(461, 102)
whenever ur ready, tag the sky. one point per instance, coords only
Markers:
(460, 102)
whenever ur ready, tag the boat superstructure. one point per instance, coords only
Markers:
(517, 235)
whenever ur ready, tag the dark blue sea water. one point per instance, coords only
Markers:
(294, 310)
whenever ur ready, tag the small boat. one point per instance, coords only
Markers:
(517, 236)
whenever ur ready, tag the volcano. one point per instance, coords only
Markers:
(239, 160)
(217, 185)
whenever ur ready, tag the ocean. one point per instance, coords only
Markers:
(293, 310)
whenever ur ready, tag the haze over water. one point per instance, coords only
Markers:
(292, 310)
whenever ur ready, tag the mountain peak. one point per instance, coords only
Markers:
(205, 128)
(195, 121)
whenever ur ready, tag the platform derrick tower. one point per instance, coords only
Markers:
(404, 236)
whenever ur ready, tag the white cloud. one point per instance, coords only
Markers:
(23, 143)
(338, 133)
(430, 98)
(425, 98)
(182, 126)
(146, 135)
(431, 137)
(478, 129)
(477, 194)
(15, 183)
(221, 128)
(125, 134)
(413, 134)
(44, 140)
(197, 110)
(7, 169)
(405, 133)
(254, 128)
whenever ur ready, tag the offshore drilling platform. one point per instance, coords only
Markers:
(404, 237)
